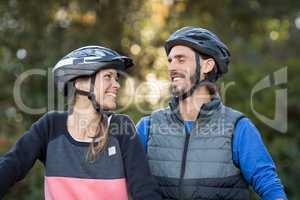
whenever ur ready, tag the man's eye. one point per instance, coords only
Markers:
(181, 61)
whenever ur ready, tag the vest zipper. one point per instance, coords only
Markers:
(183, 162)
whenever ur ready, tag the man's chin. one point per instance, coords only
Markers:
(177, 91)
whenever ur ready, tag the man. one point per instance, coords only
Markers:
(197, 147)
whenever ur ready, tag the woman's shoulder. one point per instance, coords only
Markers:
(56, 114)
(121, 118)
(50, 116)
(52, 120)
(121, 125)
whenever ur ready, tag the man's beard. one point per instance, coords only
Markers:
(179, 90)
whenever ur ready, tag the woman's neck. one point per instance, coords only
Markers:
(83, 122)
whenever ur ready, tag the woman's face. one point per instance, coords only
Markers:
(106, 88)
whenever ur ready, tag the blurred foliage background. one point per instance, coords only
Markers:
(263, 36)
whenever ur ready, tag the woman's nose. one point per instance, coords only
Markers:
(116, 84)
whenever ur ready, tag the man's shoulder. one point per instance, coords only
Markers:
(231, 109)
(233, 113)
(145, 120)
(165, 110)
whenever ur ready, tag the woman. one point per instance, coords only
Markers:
(87, 153)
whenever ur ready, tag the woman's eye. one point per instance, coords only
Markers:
(107, 76)
(110, 77)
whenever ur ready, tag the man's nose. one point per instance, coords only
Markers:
(171, 65)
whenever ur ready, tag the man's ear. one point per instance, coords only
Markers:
(208, 65)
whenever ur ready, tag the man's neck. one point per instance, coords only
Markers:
(191, 106)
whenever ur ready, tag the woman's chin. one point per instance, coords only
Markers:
(110, 106)
(109, 103)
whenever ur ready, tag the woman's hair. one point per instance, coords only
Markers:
(100, 139)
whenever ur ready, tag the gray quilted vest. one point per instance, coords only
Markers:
(196, 165)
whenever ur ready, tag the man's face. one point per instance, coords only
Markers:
(181, 67)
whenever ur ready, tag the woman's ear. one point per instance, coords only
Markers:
(82, 83)
(77, 84)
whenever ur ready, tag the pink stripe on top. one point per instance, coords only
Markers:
(66, 188)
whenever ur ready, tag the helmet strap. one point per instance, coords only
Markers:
(91, 95)
(198, 82)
